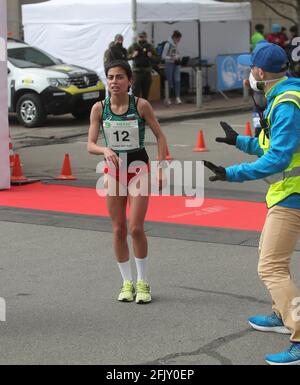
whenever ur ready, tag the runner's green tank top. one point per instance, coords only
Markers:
(126, 132)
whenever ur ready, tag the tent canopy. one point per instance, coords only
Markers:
(79, 31)
(119, 11)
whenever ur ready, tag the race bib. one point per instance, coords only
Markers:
(122, 135)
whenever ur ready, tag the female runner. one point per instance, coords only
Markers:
(122, 118)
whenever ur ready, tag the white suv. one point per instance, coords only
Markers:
(39, 84)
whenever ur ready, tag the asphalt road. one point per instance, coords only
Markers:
(59, 279)
(42, 149)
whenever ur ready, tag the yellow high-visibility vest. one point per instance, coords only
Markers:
(285, 183)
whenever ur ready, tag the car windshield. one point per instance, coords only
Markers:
(26, 57)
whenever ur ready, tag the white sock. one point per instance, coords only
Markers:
(125, 269)
(141, 266)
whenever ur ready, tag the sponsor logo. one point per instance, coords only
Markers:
(86, 80)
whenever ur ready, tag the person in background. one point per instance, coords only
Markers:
(283, 35)
(171, 57)
(275, 36)
(258, 35)
(143, 55)
(115, 51)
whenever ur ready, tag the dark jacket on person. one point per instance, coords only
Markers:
(115, 52)
(142, 62)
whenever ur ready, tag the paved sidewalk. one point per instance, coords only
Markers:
(212, 105)
(60, 286)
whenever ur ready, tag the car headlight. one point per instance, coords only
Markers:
(59, 82)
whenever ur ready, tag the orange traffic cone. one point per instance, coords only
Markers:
(200, 146)
(66, 172)
(168, 155)
(248, 131)
(17, 173)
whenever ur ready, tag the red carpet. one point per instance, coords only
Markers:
(77, 200)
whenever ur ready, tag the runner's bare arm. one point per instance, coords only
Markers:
(146, 112)
(94, 128)
(93, 147)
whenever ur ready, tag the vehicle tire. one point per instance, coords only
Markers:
(81, 115)
(30, 111)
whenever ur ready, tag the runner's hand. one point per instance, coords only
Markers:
(220, 172)
(231, 135)
(111, 157)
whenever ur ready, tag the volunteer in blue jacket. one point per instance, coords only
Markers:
(278, 151)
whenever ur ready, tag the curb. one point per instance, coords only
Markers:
(204, 114)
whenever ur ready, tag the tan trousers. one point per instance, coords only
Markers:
(278, 240)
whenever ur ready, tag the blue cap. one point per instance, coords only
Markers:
(276, 28)
(267, 56)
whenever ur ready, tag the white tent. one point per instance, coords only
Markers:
(79, 31)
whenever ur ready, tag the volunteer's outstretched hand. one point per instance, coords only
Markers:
(220, 172)
(231, 135)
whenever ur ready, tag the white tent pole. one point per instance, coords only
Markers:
(4, 131)
(134, 19)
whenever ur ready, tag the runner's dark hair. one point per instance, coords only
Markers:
(119, 63)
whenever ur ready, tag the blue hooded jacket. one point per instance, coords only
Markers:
(285, 138)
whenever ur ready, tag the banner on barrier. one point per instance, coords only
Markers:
(230, 74)
(4, 130)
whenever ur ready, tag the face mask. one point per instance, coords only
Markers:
(258, 85)
(253, 82)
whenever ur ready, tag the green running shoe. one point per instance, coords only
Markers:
(143, 293)
(127, 292)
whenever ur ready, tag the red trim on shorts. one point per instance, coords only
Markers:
(116, 173)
